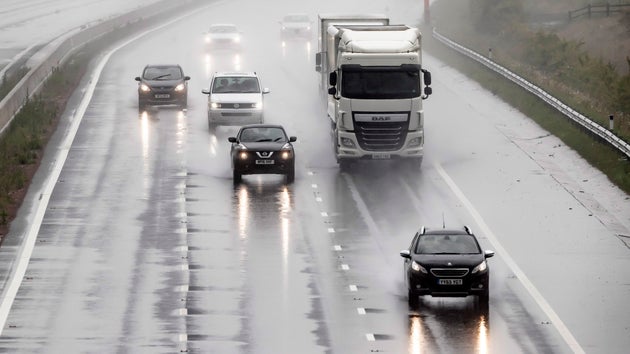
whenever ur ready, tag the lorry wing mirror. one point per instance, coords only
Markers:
(332, 79)
(332, 91)
(427, 77)
(427, 92)
(318, 62)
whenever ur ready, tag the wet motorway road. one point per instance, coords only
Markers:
(146, 245)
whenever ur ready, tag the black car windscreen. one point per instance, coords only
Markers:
(380, 83)
(447, 244)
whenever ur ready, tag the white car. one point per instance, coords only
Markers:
(235, 98)
(296, 25)
(223, 36)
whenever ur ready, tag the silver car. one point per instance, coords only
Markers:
(223, 36)
(235, 98)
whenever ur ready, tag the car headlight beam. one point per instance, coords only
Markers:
(418, 268)
(480, 267)
(180, 87)
(145, 88)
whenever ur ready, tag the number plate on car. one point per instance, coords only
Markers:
(162, 95)
(381, 156)
(265, 162)
(449, 281)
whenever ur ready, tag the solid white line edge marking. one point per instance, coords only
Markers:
(544, 305)
(15, 279)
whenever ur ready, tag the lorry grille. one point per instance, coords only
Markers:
(379, 136)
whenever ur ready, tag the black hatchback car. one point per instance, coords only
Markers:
(262, 149)
(446, 262)
(162, 85)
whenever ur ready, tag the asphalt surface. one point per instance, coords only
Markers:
(145, 245)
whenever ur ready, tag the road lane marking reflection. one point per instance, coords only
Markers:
(529, 286)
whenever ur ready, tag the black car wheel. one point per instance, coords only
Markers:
(142, 105)
(291, 175)
(413, 299)
(236, 176)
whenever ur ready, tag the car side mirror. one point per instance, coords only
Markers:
(405, 254)
(186, 78)
(292, 139)
(205, 91)
(232, 139)
(266, 90)
(488, 253)
(138, 78)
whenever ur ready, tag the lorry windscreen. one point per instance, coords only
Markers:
(380, 84)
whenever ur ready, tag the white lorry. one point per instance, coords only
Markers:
(372, 80)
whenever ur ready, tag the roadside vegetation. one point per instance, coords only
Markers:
(564, 68)
(22, 145)
(10, 80)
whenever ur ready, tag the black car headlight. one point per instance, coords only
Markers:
(180, 87)
(481, 267)
(418, 268)
(286, 154)
(145, 88)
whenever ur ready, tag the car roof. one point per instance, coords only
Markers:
(235, 73)
(163, 66)
(223, 25)
(296, 15)
(262, 126)
(444, 231)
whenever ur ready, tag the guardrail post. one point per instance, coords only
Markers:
(612, 121)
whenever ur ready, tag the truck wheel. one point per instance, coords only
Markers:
(414, 163)
(345, 165)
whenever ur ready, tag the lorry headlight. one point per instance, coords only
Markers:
(347, 142)
(257, 105)
(414, 142)
(215, 105)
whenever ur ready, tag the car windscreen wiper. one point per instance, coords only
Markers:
(160, 77)
(262, 140)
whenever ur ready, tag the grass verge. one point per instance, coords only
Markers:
(607, 159)
(23, 142)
